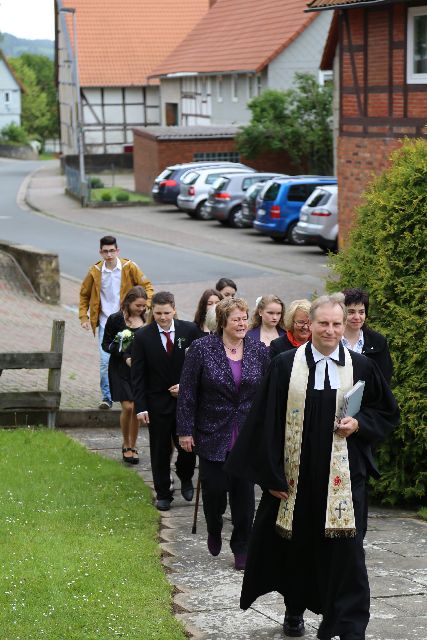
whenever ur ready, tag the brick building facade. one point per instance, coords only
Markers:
(158, 147)
(380, 52)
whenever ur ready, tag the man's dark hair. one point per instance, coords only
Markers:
(356, 296)
(107, 240)
(163, 297)
(225, 282)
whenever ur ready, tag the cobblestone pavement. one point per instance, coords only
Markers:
(208, 589)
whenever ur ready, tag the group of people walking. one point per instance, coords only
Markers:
(258, 401)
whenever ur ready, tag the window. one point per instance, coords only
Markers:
(219, 88)
(224, 156)
(258, 85)
(251, 86)
(272, 191)
(234, 89)
(190, 177)
(300, 192)
(6, 97)
(247, 183)
(319, 199)
(417, 45)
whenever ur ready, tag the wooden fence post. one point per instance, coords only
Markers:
(54, 377)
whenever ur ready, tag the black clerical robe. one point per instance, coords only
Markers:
(327, 576)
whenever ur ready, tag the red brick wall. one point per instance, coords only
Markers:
(359, 161)
(151, 156)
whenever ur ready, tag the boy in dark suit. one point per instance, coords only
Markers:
(158, 353)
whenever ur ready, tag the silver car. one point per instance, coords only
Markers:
(195, 186)
(318, 220)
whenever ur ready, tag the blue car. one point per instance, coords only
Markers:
(280, 203)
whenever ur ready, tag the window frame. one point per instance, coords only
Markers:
(235, 88)
(219, 89)
(411, 76)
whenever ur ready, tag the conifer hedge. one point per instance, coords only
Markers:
(387, 256)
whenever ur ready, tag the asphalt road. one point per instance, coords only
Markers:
(77, 247)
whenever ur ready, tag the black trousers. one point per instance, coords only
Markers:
(162, 429)
(215, 486)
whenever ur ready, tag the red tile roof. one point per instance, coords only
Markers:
(121, 41)
(238, 35)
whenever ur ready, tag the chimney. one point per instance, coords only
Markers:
(211, 3)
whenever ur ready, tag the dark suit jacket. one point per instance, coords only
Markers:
(153, 371)
(279, 345)
(209, 404)
(256, 333)
(376, 348)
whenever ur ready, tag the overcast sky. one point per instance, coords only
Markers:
(32, 19)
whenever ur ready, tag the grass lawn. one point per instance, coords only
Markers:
(78, 546)
(423, 513)
(96, 195)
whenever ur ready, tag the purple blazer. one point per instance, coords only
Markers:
(209, 403)
(256, 333)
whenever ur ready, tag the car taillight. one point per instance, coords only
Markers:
(191, 191)
(222, 195)
(323, 214)
(275, 211)
(168, 183)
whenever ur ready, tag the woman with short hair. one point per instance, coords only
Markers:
(220, 377)
(268, 319)
(297, 325)
(360, 338)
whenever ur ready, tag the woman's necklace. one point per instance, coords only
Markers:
(233, 350)
(134, 322)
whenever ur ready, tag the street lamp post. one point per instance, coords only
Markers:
(80, 143)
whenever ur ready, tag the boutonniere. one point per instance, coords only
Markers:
(181, 342)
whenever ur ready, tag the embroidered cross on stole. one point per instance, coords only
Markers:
(339, 519)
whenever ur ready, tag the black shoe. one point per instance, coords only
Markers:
(163, 504)
(187, 490)
(128, 459)
(293, 626)
(135, 457)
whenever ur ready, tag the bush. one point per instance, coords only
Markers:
(14, 134)
(122, 196)
(96, 183)
(106, 196)
(387, 257)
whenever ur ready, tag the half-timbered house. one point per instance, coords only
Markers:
(378, 50)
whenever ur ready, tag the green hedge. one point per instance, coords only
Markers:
(387, 256)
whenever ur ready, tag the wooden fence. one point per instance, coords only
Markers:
(13, 402)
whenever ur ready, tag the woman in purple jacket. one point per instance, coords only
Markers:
(218, 383)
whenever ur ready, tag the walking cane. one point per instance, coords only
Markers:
(196, 506)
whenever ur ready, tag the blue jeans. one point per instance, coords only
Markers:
(104, 358)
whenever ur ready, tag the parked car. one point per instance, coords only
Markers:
(224, 202)
(281, 201)
(166, 186)
(318, 219)
(195, 186)
(250, 201)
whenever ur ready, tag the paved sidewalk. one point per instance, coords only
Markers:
(208, 589)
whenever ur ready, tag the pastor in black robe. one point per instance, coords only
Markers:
(327, 576)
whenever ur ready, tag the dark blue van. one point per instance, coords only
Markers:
(280, 203)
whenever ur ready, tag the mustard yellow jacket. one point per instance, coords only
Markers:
(90, 291)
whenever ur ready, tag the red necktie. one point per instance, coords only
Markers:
(169, 343)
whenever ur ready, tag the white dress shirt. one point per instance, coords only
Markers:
(171, 330)
(358, 347)
(110, 291)
(321, 369)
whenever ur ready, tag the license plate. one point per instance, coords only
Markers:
(261, 212)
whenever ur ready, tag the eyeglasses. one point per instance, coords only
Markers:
(301, 323)
(108, 251)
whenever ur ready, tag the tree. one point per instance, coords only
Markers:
(44, 69)
(387, 257)
(35, 112)
(297, 121)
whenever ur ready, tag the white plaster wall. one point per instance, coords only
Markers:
(66, 92)
(303, 55)
(234, 111)
(10, 111)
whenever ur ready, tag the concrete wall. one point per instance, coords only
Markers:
(24, 152)
(40, 267)
(302, 55)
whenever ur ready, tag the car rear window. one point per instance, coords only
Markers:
(247, 182)
(211, 178)
(300, 192)
(165, 174)
(272, 191)
(220, 183)
(319, 199)
(190, 177)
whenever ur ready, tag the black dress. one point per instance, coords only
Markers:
(118, 371)
(327, 576)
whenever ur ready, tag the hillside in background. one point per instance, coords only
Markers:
(14, 47)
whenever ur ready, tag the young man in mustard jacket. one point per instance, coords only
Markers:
(101, 293)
